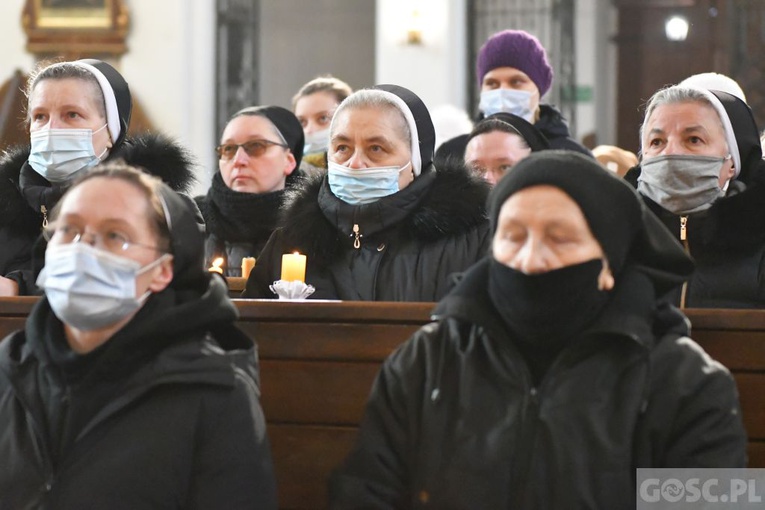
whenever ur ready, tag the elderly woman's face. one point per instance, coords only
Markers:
(540, 229)
(690, 128)
(371, 137)
(102, 209)
(69, 103)
(261, 172)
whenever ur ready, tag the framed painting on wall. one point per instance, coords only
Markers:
(74, 28)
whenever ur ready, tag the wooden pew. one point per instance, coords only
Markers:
(318, 361)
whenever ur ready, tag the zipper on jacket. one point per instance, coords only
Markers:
(357, 235)
(684, 239)
(44, 211)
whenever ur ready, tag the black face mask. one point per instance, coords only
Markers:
(547, 309)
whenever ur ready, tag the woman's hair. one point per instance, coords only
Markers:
(380, 99)
(674, 95)
(46, 70)
(147, 184)
(492, 125)
(328, 83)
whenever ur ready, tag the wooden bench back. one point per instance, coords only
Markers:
(318, 361)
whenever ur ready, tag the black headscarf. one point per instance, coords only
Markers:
(284, 121)
(426, 133)
(533, 137)
(122, 96)
(627, 231)
(187, 240)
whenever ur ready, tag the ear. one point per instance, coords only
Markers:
(162, 275)
(605, 278)
(290, 164)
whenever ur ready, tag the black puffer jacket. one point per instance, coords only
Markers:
(26, 198)
(165, 414)
(453, 420)
(408, 243)
(552, 124)
(727, 243)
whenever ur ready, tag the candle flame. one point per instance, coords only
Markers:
(218, 262)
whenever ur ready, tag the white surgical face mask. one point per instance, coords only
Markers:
(318, 141)
(682, 184)
(517, 102)
(363, 185)
(60, 155)
(88, 288)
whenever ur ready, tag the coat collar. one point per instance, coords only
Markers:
(439, 204)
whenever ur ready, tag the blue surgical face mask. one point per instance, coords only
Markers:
(88, 288)
(363, 185)
(60, 155)
(517, 102)
(318, 141)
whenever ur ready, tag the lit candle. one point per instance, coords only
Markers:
(247, 264)
(217, 266)
(293, 267)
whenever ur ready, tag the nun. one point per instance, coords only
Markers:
(383, 224)
(78, 115)
(130, 386)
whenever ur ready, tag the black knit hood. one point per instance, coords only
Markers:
(438, 204)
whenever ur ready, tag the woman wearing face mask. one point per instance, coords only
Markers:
(78, 114)
(383, 224)
(702, 173)
(314, 106)
(513, 75)
(258, 160)
(552, 371)
(131, 386)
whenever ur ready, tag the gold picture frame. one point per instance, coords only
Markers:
(76, 28)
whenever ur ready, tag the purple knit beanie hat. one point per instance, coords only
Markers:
(518, 49)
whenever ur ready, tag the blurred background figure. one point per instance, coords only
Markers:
(449, 121)
(500, 141)
(714, 81)
(615, 159)
(259, 154)
(314, 105)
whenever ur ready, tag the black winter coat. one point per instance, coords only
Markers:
(408, 246)
(26, 199)
(165, 414)
(454, 422)
(727, 243)
(552, 124)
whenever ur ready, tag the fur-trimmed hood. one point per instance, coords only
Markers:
(157, 154)
(440, 203)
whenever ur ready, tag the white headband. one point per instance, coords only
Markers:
(730, 135)
(415, 138)
(112, 112)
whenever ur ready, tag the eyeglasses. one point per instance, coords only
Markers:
(109, 240)
(253, 148)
